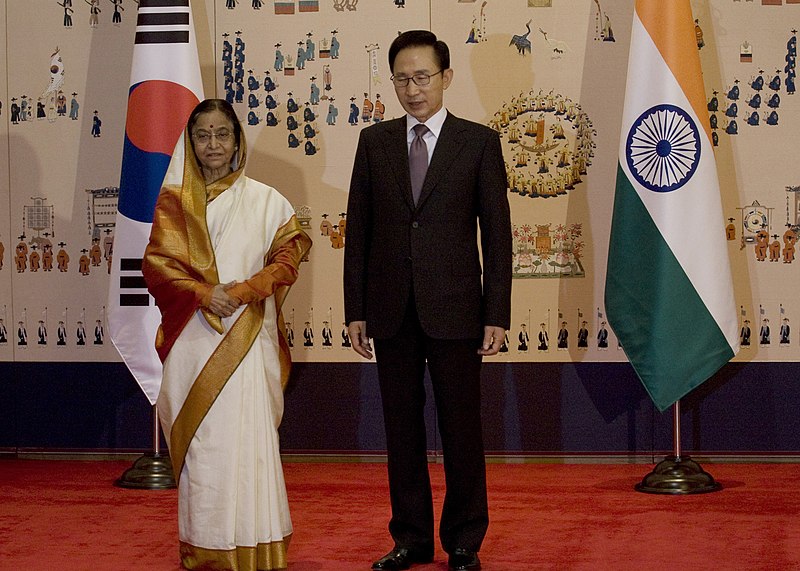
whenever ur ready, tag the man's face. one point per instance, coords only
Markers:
(421, 101)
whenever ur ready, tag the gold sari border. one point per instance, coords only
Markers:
(263, 557)
(291, 230)
(212, 379)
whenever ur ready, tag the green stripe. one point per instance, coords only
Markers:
(670, 338)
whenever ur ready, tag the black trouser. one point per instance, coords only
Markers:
(454, 367)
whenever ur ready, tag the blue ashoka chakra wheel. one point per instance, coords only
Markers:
(663, 148)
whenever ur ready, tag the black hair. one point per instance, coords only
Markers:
(208, 105)
(416, 38)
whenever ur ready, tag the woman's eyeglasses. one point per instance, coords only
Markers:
(204, 137)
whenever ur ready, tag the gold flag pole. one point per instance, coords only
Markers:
(152, 471)
(678, 474)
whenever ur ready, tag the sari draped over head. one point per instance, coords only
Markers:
(221, 398)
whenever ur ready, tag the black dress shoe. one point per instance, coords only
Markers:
(400, 558)
(464, 560)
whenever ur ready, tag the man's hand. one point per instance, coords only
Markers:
(493, 338)
(221, 303)
(357, 330)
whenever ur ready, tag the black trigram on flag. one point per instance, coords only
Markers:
(132, 288)
(166, 23)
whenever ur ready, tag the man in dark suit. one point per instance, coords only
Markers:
(413, 283)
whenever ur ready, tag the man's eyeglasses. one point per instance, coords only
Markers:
(419, 79)
(204, 137)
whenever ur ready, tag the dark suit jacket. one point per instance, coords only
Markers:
(394, 248)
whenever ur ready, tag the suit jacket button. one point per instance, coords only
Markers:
(415, 224)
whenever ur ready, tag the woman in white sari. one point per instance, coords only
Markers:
(224, 250)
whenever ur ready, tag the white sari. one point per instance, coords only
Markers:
(231, 488)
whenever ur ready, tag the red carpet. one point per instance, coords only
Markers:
(66, 515)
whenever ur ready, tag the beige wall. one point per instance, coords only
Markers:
(57, 159)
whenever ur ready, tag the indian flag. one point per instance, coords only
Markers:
(669, 295)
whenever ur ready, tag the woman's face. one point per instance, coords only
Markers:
(214, 140)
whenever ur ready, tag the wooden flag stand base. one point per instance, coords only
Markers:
(152, 471)
(678, 474)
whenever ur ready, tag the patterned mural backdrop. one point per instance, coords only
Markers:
(306, 76)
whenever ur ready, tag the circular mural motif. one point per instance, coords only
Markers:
(547, 143)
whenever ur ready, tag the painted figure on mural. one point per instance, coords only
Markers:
(563, 337)
(698, 33)
(41, 333)
(99, 334)
(269, 84)
(327, 335)
(763, 334)
(602, 336)
(67, 5)
(315, 92)
(333, 112)
(745, 333)
(301, 55)
(311, 48)
(366, 109)
(252, 82)
(289, 334)
(21, 257)
(789, 241)
(84, 263)
(291, 103)
(352, 119)
(583, 336)
(22, 334)
(95, 254)
(73, 107)
(61, 334)
(96, 124)
(544, 338)
(380, 109)
(14, 118)
(61, 104)
(47, 256)
(34, 258)
(334, 45)
(336, 238)
(116, 18)
(327, 77)
(523, 338)
(94, 12)
(62, 258)
(785, 331)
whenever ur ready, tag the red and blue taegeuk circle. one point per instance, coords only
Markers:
(157, 114)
